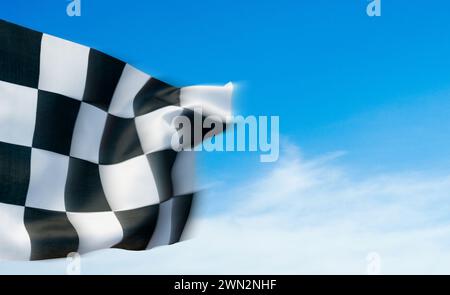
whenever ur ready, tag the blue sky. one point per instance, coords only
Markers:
(326, 68)
(375, 88)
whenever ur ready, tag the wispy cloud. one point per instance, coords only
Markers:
(312, 216)
(304, 216)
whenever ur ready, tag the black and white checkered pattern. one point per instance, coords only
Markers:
(85, 157)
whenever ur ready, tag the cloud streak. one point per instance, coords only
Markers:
(304, 216)
(312, 216)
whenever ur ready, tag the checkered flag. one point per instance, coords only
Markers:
(85, 150)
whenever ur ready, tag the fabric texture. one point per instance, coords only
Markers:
(85, 155)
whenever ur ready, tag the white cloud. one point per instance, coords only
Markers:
(304, 217)
(311, 216)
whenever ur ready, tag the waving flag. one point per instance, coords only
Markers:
(85, 150)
